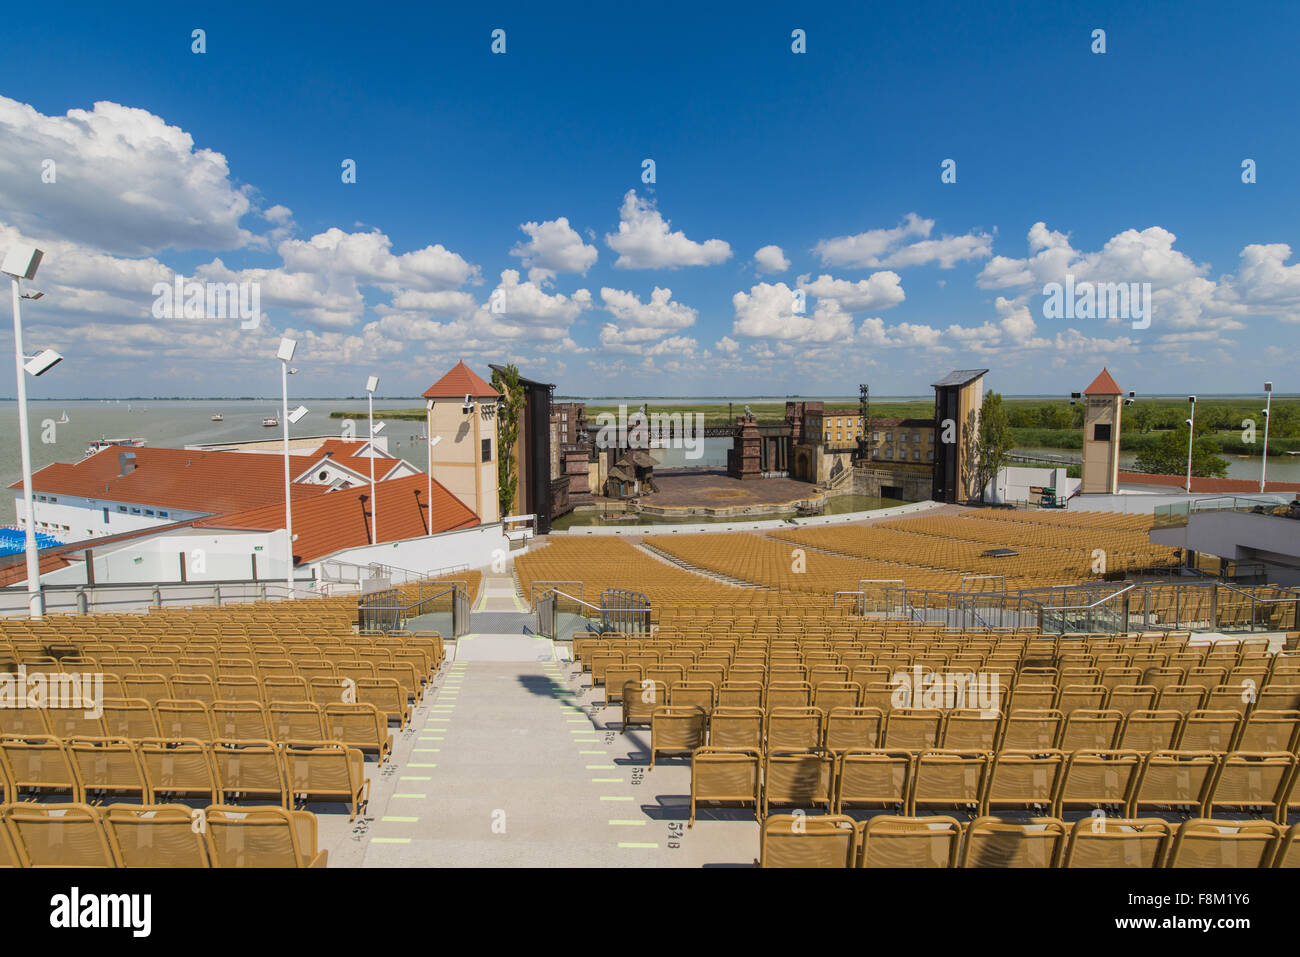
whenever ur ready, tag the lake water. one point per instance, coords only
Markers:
(1281, 468)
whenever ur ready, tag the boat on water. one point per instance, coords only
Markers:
(218, 417)
(63, 419)
(98, 445)
(270, 421)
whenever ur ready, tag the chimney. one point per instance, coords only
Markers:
(126, 463)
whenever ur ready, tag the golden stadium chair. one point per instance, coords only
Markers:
(1118, 842)
(240, 720)
(1024, 779)
(740, 694)
(1181, 698)
(386, 695)
(281, 689)
(296, 721)
(1288, 851)
(836, 694)
(968, 729)
(873, 777)
(1266, 730)
(912, 728)
(59, 835)
(39, 762)
(798, 840)
(801, 777)
(178, 768)
(108, 765)
(640, 698)
(24, 721)
(794, 728)
(1150, 730)
(787, 694)
(183, 719)
(853, 728)
(887, 841)
(1253, 780)
(1031, 697)
(73, 723)
(361, 726)
(993, 842)
(262, 837)
(9, 854)
(131, 718)
(737, 728)
(949, 779)
(618, 675)
(1081, 697)
(725, 775)
(1032, 730)
(156, 835)
(676, 730)
(1209, 730)
(1205, 843)
(323, 770)
(150, 687)
(250, 769)
(1091, 730)
(1176, 779)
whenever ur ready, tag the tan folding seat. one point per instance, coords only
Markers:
(993, 842)
(1114, 677)
(229, 666)
(361, 726)
(796, 840)
(640, 698)
(262, 837)
(1181, 698)
(240, 687)
(782, 693)
(794, 728)
(1205, 676)
(950, 779)
(1032, 730)
(1031, 697)
(912, 728)
(1266, 730)
(1288, 851)
(1129, 698)
(250, 770)
(837, 694)
(107, 765)
(239, 720)
(1205, 843)
(802, 777)
(736, 693)
(319, 669)
(968, 729)
(1151, 730)
(1209, 730)
(1176, 779)
(887, 841)
(693, 694)
(178, 768)
(737, 728)
(149, 687)
(324, 770)
(1253, 780)
(618, 675)
(600, 661)
(296, 721)
(725, 775)
(1091, 730)
(156, 835)
(711, 671)
(39, 762)
(676, 729)
(1230, 698)
(1100, 778)
(873, 777)
(1086, 697)
(58, 835)
(24, 721)
(10, 856)
(1278, 697)
(1118, 842)
(73, 723)
(853, 728)
(1024, 779)
(183, 719)
(285, 688)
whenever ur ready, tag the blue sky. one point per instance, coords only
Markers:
(1117, 167)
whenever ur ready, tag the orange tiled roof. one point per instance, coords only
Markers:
(212, 482)
(460, 382)
(1212, 486)
(1104, 384)
(341, 519)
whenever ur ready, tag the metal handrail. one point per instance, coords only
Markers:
(1100, 601)
(584, 604)
(548, 582)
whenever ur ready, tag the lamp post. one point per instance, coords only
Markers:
(372, 383)
(21, 262)
(1268, 406)
(1191, 435)
(285, 354)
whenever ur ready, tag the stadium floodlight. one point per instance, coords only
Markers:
(431, 443)
(42, 362)
(1268, 407)
(1191, 435)
(21, 262)
(286, 350)
(372, 383)
(285, 354)
(296, 415)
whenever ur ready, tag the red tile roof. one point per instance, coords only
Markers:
(212, 482)
(345, 454)
(1103, 385)
(460, 382)
(341, 519)
(1213, 486)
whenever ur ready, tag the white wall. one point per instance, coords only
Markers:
(474, 547)
(1012, 484)
(85, 516)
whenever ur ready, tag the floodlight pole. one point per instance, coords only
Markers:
(288, 506)
(374, 502)
(1268, 407)
(1191, 435)
(36, 600)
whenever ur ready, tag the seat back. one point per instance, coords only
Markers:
(156, 835)
(178, 767)
(59, 835)
(1102, 841)
(887, 841)
(873, 777)
(796, 840)
(1205, 843)
(253, 837)
(736, 728)
(992, 842)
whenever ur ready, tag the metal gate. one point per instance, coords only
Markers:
(625, 611)
(546, 616)
(460, 613)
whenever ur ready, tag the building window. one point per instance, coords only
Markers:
(121, 508)
(135, 511)
(916, 436)
(930, 454)
(148, 511)
(487, 450)
(916, 455)
(162, 514)
(105, 514)
(1101, 432)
